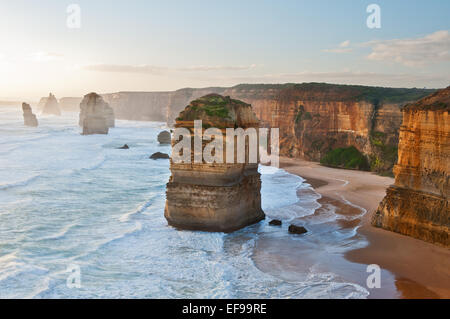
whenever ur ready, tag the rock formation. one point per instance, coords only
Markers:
(51, 106)
(417, 204)
(29, 119)
(294, 229)
(314, 118)
(214, 196)
(124, 147)
(96, 116)
(164, 137)
(275, 222)
(159, 155)
(41, 104)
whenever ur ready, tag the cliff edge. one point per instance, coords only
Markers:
(417, 204)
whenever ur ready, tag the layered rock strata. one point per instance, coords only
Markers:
(314, 118)
(214, 196)
(417, 204)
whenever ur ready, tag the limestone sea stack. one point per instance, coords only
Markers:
(96, 116)
(96, 110)
(51, 106)
(417, 204)
(214, 196)
(29, 119)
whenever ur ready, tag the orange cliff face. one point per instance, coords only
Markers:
(418, 204)
(315, 118)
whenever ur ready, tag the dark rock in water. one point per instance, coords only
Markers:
(29, 119)
(293, 229)
(124, 147)
(275, 222)
(159, 155)
(164, 137)
(51, 106)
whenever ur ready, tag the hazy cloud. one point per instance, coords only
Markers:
(122, 68)
(344, 47)
(432, 48)
(217, 68)
(43, 56)
(158, 70)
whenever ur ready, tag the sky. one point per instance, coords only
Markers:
(166, 45)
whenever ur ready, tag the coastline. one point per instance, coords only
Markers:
(430, 275)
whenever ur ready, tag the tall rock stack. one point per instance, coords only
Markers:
(96, 116)
(418, 204)
(214, 196)
(51, 106)
(29, 119)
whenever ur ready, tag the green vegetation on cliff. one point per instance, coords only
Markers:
(373, 94)
(384, 155)
(349, 158)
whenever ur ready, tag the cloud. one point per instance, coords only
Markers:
(159, 70)
(122, 68)
(432, 48)
(43, 56)
(217, 68)
(344, 47)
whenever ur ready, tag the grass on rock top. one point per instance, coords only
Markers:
(211, 105)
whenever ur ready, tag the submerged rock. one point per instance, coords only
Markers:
(51, 106)
(124, 147)
(29, 119)
(95, 115)
(294, 229)
(275, 222)
(159, 155)
(221, 197)
(164, 137)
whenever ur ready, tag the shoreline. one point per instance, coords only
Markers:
(430, 276)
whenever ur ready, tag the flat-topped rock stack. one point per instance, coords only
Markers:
(29, 119)
(51, 106)
(417, 204)
(96, 116)
(214, 196)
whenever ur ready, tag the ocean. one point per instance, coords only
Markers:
(68, 200)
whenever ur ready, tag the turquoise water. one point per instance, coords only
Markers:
(68, 199)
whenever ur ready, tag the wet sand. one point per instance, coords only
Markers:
(411, 268)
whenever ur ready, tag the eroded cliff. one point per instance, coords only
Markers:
(418, 204)
(316, 118)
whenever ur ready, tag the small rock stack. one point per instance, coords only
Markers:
(29, 119)
(51, 106)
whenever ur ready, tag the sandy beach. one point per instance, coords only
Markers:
(420, 269)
